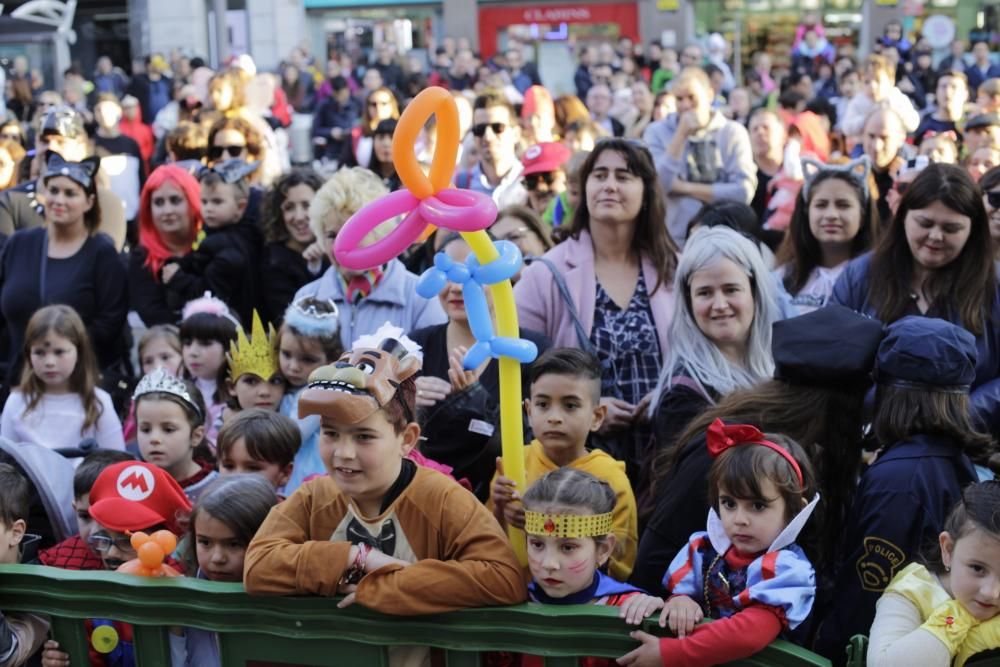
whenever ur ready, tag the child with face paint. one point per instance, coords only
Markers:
(568, 519)
(944, 612)
(745, 571)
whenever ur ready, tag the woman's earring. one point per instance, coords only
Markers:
(947, 568)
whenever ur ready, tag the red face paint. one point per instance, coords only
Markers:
(578, 567)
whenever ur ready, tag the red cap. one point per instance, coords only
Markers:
(537, 99)
(543, 157)
(133, 495)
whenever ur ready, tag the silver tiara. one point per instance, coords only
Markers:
(161, 381)
(310, 321)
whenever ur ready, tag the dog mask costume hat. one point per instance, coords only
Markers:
(360, 383)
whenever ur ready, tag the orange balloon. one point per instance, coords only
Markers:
(138, 539)
(131, 567)
(166, 540)
(429, 102)
(151, 554)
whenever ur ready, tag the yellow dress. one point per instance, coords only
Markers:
(943, 616)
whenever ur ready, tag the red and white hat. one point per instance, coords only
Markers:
(543, 157)
(133, 495)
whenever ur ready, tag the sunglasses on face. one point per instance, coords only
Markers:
(993, 198)
(102, 542)
(531, 181)
(216, 152)
(480, 129)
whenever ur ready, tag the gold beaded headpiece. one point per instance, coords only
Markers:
(255, 355)
(567, 525)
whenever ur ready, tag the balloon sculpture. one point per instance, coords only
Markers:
(152, 551)
(429, 200)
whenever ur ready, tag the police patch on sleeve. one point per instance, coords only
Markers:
(879, 563)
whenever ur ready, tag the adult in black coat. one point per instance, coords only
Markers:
(67, 262)
(292, 257)
(169, 222)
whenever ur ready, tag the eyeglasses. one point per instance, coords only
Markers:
(993, 198)
(531, 181)
(216, 152)
(102, 542)
(480, 129)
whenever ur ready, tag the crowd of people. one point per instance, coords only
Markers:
(771, 302)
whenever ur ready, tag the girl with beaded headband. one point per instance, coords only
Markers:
(309, 338)
(568, 520)
(255, 380)
(745, 571)
(207, 330)
(170, 414)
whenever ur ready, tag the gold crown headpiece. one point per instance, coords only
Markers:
(255, 355)
(567, 525)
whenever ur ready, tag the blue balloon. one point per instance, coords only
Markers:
(477, 311)
(502, 268)
(476, 355)
(459, 273)
(524, 351)
(431, 282)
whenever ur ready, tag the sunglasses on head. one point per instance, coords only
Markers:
(480, 129)
(993, 198)
(216, 152)
(531, 181)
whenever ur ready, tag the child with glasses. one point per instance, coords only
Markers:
(226, 260)
(75, 553)
(127, 497)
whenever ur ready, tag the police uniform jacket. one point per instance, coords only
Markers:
(899, 509)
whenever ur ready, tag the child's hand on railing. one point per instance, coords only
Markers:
(647, 655)
(638, 607)
(372, 561)
(681, 613)
(507, 506)
(52, 656)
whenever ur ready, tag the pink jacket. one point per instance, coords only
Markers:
(540, 306)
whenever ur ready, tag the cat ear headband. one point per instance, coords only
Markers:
(811, 168)
(230, 171)
(82, 173)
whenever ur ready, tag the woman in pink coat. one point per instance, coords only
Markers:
(607, 288)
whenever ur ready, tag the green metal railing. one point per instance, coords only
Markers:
(311, 631)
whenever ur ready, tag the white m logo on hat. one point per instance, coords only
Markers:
(135, 483)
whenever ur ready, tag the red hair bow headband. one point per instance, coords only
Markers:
(721, 437)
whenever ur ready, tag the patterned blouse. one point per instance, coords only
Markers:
(629, 351)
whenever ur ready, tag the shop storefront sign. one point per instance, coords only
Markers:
(493, 19)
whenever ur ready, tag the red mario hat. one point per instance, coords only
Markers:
(132, 495)
(543, 157)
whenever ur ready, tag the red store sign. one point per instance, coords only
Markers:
(493, 19)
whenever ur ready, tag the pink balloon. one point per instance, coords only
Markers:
(451, 209)
(459, 210)
(346, 247)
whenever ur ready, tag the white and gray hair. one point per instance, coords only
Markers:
(690, 349)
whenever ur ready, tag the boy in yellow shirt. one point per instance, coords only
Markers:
(563, 410)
